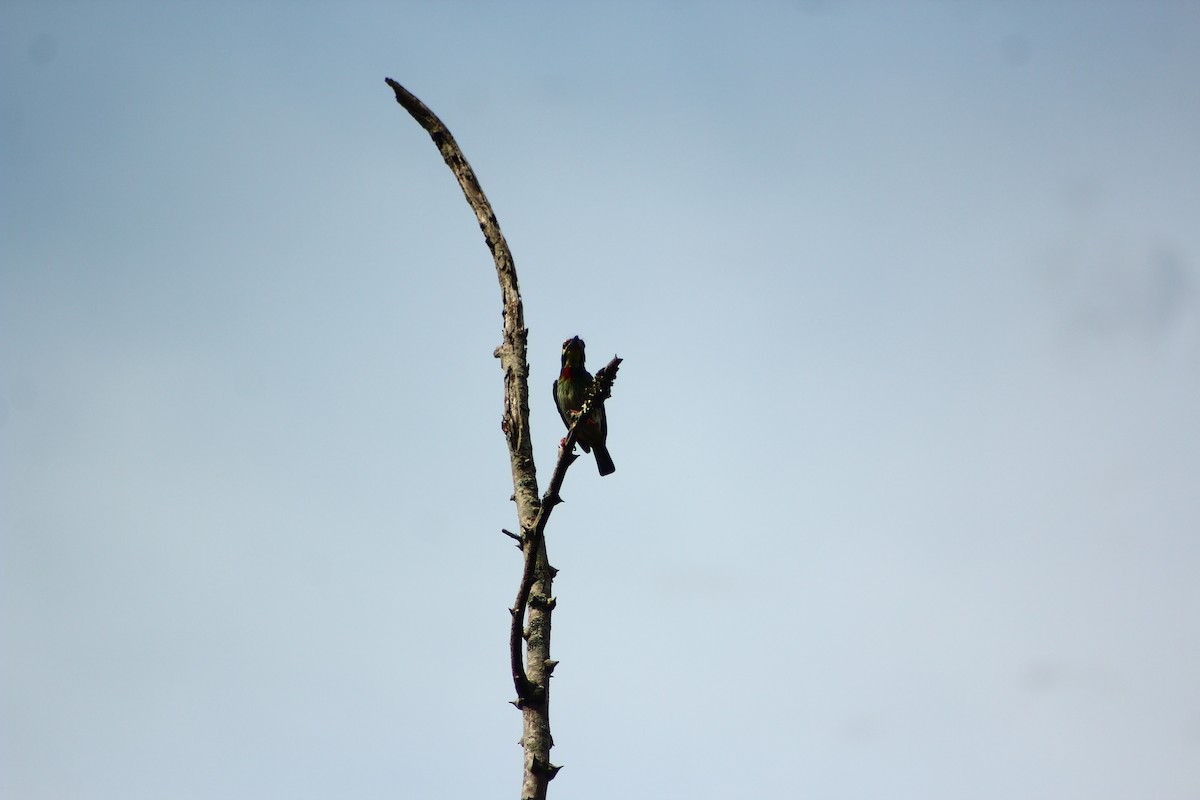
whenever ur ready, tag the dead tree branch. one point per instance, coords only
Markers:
(531, 613)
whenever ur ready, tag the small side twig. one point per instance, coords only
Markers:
(600, 391)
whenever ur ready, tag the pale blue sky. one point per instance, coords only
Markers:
(906, 435)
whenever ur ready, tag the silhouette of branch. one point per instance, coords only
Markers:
(527, 692)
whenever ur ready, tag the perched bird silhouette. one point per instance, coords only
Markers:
(569, 392)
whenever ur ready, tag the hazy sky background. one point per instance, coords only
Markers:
(907, 444)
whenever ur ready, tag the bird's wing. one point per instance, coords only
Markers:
(558, 405)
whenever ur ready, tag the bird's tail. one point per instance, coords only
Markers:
(604, 460)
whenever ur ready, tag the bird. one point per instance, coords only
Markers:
(569, 392)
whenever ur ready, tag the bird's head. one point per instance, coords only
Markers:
(572, 352)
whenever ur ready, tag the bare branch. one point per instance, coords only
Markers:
(531, 612)
(532, 683)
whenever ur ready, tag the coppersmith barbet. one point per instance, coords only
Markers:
(569, 392)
